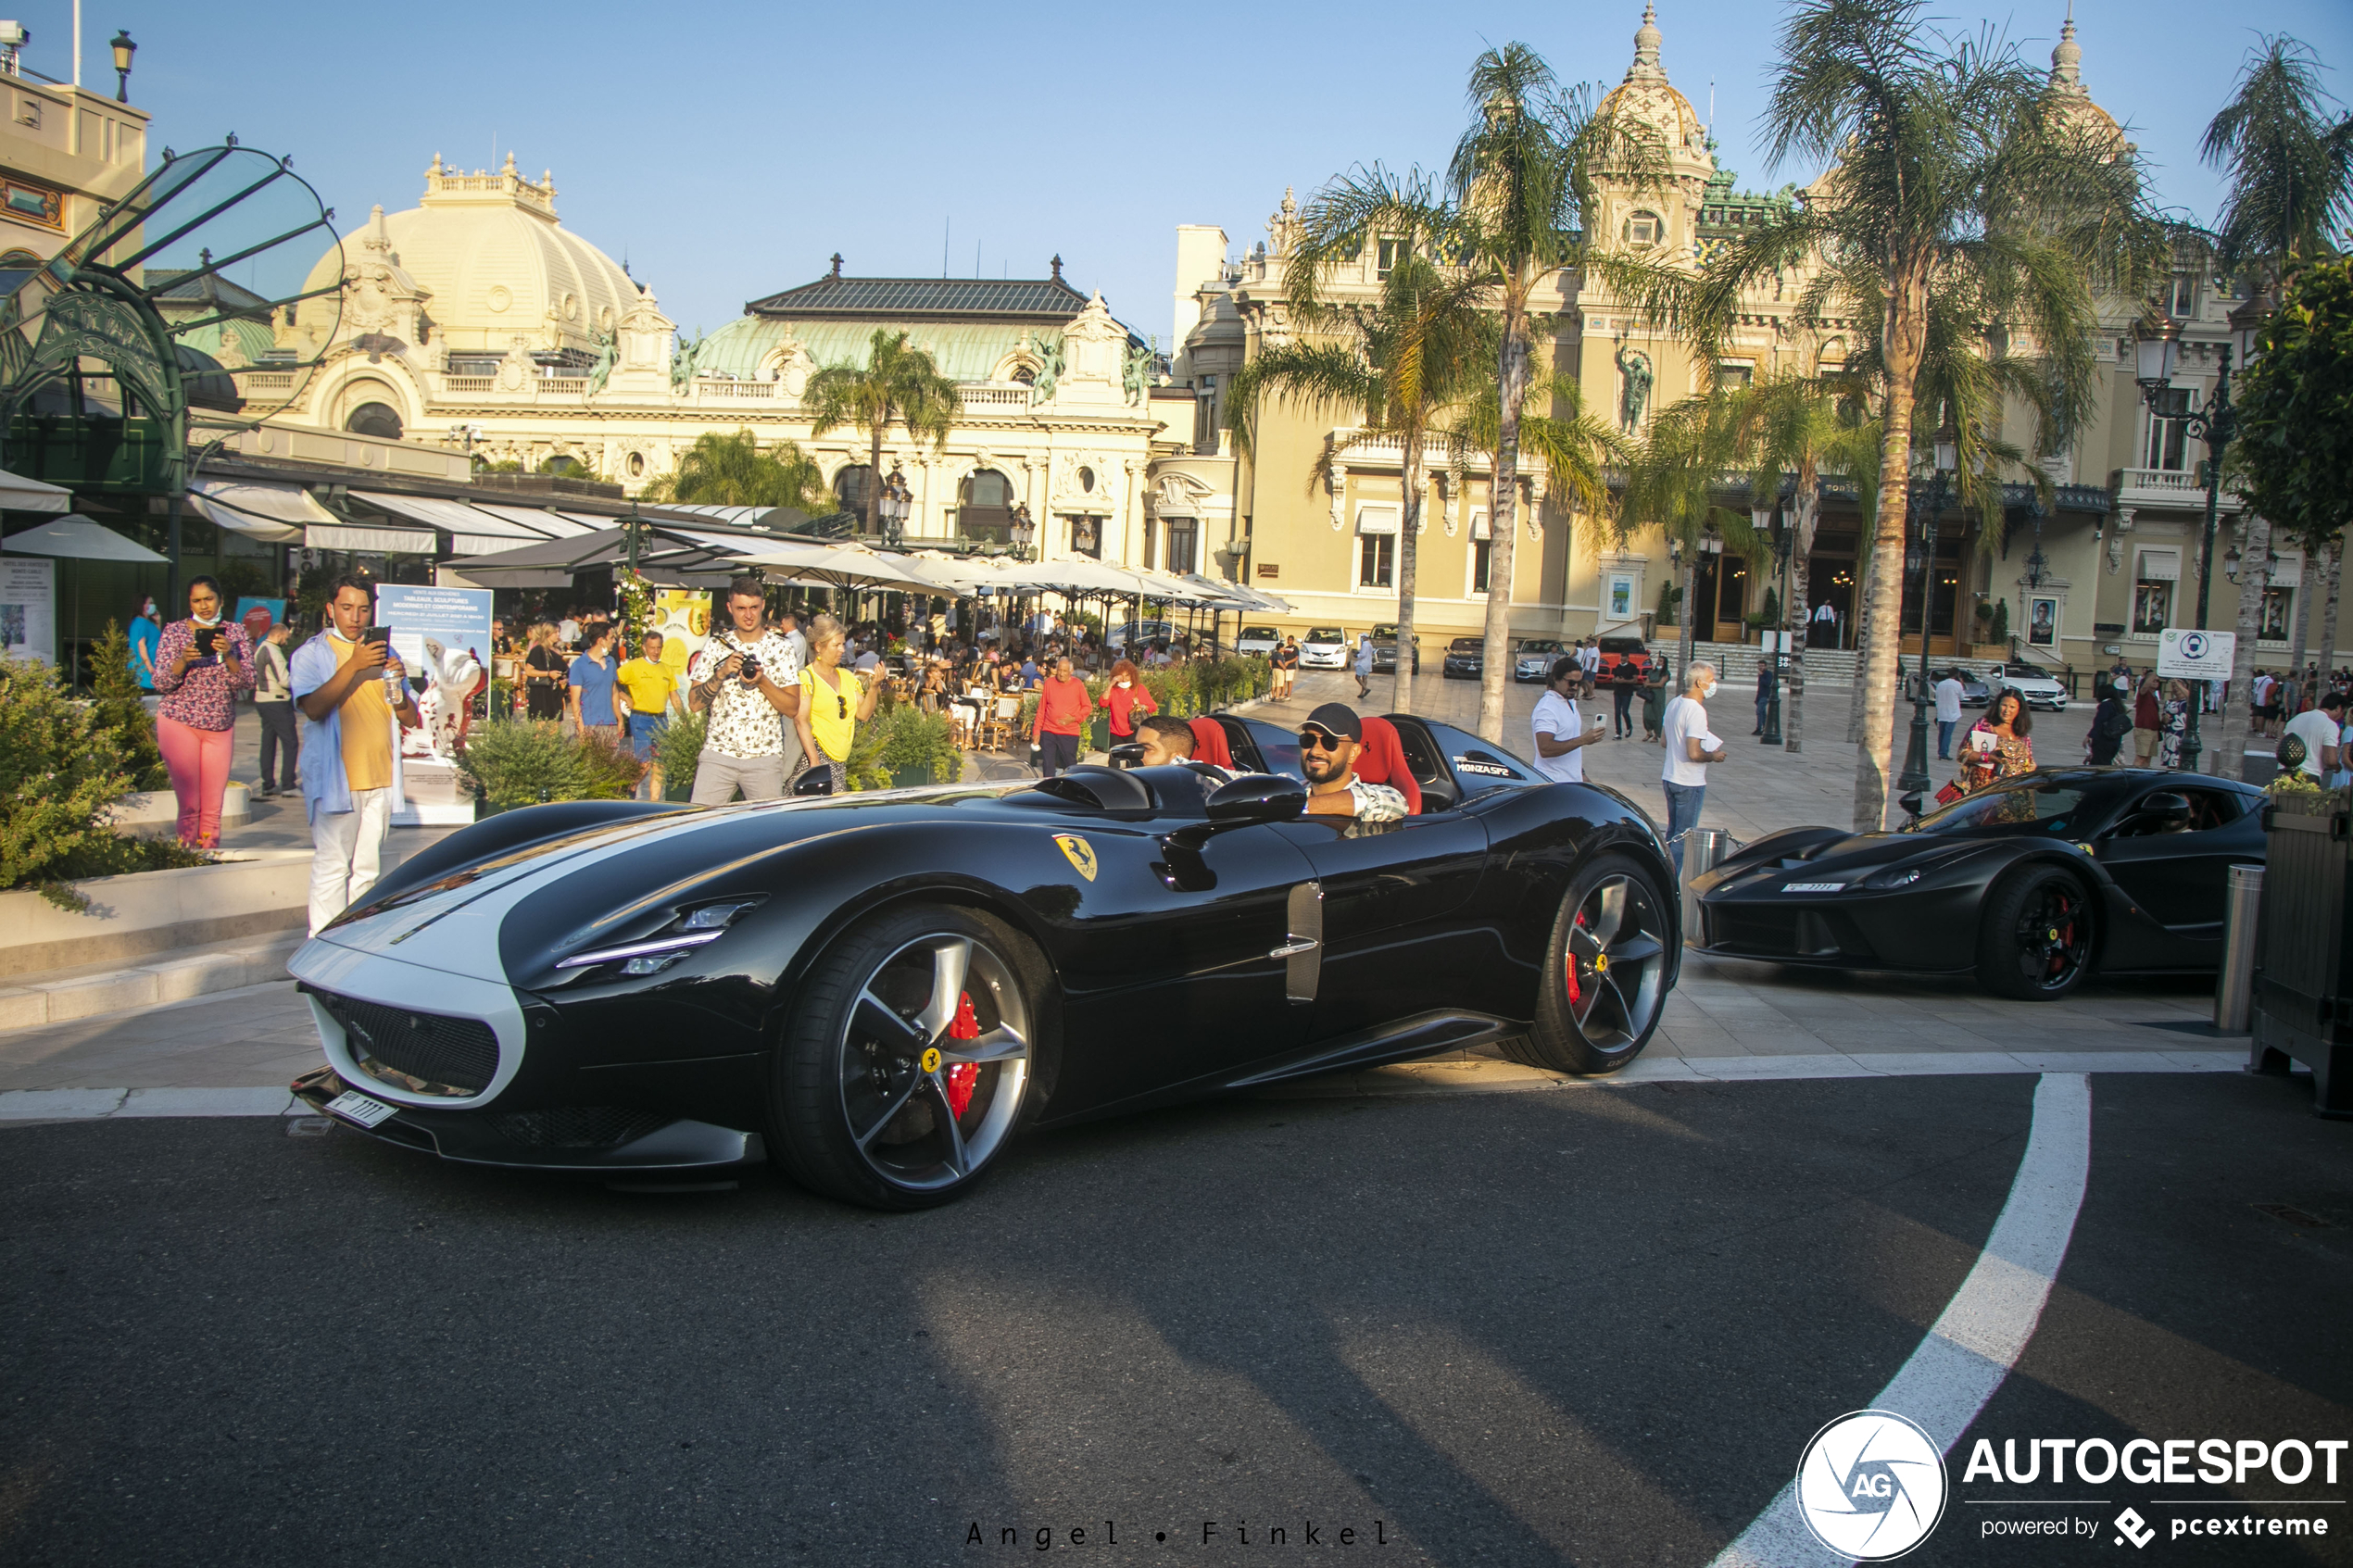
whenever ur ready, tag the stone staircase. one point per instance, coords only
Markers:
(1736, 663)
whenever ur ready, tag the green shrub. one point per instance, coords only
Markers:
(523, 762)
(61, 770)
(909, 739)
(679, 749)
(609, 771)
(2001, 621)
(117, 698)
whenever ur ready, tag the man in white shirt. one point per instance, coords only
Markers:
(747, 743)
(1589, 657)
(1559, 723)
(2319, 729)
(1948, 714)
(1691, 746)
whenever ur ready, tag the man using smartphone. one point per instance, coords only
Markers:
(346, 683)
(746, 680)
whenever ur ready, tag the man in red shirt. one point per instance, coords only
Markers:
(2148, 721)
(1063, 708)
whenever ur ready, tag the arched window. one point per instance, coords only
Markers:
(379, 419)
(851, 486)
(1026, 376)
(985, 507)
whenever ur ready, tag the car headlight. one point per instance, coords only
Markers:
(1881, 881)
(704, 923)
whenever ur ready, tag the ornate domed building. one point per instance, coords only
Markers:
(476, 320)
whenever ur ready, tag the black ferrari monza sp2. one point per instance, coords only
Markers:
(880, 991)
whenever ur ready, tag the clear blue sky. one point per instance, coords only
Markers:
(729, 149)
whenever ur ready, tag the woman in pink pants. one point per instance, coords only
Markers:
(201, 664)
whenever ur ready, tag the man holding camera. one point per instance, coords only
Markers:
(747, 682)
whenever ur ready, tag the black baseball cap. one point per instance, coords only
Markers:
(1336, 720)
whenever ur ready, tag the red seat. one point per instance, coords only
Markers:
(1381, 759)
(1209, 742)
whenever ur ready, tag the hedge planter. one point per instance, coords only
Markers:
(2304, 947)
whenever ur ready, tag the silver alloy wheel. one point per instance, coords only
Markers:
(898, 1054)
(1616, 965)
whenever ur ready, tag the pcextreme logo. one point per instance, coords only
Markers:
(1872, 1486)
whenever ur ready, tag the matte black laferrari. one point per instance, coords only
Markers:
(882, 991)
(2032, 886)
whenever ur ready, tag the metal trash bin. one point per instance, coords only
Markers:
(2234, 988)
(1704, 850)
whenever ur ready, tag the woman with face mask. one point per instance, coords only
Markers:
(201, 664)
(1127, 700)
(145, 630)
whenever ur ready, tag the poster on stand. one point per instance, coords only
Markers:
(29, 608)
(682, 617)
(443, 636)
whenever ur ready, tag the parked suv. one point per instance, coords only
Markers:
(1385, 651)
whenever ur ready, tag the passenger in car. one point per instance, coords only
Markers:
(1167, 740)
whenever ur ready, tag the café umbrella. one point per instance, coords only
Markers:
(79, 539)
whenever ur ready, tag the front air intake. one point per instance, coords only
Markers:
(423, 1053)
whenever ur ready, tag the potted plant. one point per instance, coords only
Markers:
(915, 748)
(512, 762)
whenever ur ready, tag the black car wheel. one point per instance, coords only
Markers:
(909, 1066)
(1605, 980)
(2034, 941)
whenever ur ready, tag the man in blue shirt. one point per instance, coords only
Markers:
(1031, 676)
(593, 690)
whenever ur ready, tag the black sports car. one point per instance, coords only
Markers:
(880, 991)
(2033, 884)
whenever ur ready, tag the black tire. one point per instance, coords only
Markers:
(861, 1104)
(2035, 938)
(1604, 983)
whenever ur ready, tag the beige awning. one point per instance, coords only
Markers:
(277, 514)
(1375, 518)
(2159, 566)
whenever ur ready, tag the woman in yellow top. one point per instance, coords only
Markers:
(833, 701)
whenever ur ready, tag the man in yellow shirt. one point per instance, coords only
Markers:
(351, 692)
(653, 687)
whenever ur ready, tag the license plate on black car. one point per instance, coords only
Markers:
(359, 1109)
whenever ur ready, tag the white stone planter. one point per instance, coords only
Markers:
(129, 916)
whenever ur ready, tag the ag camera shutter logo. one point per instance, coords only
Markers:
(1872, 1486)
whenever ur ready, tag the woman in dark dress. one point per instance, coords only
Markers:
(545, 674)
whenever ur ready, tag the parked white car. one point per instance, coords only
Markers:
(1324, 648)
(2031, 682)
(1261, 641)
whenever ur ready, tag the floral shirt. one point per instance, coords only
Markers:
(742, 722)
(1377, 802)
(204, 696)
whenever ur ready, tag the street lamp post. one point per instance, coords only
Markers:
(1782, 537)
(123, 49)
(1914, 781)
(2157, 351)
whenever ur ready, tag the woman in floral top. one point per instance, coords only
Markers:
(2007, 726)
(201, 664)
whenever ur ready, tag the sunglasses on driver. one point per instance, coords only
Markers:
(1317, 740)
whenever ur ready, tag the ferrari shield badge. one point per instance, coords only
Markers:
(1080, 853)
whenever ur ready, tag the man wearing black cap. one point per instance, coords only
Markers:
(1329, 742)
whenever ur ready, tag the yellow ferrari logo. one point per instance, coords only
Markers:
(931, 1059)
(1080, 853)
(2052, 935)
(1601, 963)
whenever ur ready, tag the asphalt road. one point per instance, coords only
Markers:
(1590, 1326)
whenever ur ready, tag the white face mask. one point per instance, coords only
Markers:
(1707, 691)
(1123, 683)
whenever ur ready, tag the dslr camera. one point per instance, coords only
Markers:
(750, 668)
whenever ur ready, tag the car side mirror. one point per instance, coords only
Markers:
(816, 781)
(2164, 810)
(1256, 798)
(1129, 754)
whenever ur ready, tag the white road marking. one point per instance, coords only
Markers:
(1985, 1326)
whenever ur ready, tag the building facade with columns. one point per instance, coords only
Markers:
(476, 320)
(2091, 565)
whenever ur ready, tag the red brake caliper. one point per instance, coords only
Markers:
(1575, 992)
(962, 1077)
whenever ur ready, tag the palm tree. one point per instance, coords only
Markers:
(736, 471)
(1958, 188)
(2291, 182)
(2290, 165)
(1413, 352)
(1524, 184)
(1794, 428)
(899, 385)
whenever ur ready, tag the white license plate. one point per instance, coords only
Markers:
(359, 1109)
(1786, 888)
